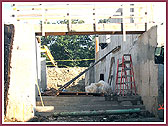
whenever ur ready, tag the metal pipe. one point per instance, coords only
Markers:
(96, 113)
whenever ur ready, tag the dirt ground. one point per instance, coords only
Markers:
(59, 76)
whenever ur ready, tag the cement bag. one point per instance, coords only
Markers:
(100, 87)
(103, 87)
(91, 88)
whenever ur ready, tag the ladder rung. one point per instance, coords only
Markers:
(127, 55)
(126, 76)
(127, 61)
(126, 83)
(125, 69)
(125, 89)
(128, 68)
(120, 65)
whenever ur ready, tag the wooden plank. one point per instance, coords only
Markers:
(56, 28)
(108, 27)
(135, 26)
(56, 7)
(89, 33)
(111, 65)
(82, 27)
(113, 27)
(63, 16)
(80, 93)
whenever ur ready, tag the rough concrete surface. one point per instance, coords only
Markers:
(59, 76)
(8, 44)
(21, 94)
(148, 75)
(89, 103)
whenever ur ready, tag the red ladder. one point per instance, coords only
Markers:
(126, 84)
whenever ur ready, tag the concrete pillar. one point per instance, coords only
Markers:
(21, 94)
(43, 74)
(96, 55)
(96, 47)
(38, 65)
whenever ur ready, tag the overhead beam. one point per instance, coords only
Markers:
(88, 29)
(89, 33)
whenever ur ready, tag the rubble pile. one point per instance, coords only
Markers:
(56, 77)
(49, 92)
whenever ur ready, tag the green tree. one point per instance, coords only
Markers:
(71, 47)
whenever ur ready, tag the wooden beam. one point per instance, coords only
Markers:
(90, 33)
(81, 29)
(64, 7)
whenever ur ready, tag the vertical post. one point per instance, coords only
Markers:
(96, 56)
(133, 74)
(151, 10)
(123, 19)
(96, 47)
(94, 18)
(14, 15)
(117, 75)
(43, 19)
(121, 80)
(146, 18)
(69, 17)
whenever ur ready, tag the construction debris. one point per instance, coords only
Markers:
(114, 50)
(100, 87)
(130, 117)
(79, 94)
(49, 92)
(56, 77)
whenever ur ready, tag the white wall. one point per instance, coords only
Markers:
(21, 94)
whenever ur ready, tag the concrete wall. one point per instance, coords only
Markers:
(43, 74)
(148, 75)
(21, 94)
(90, 76)
(38, 66)
(103, 67)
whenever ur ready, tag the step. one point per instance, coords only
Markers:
(127, 61)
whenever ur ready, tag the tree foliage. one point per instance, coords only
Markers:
(71, 47)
